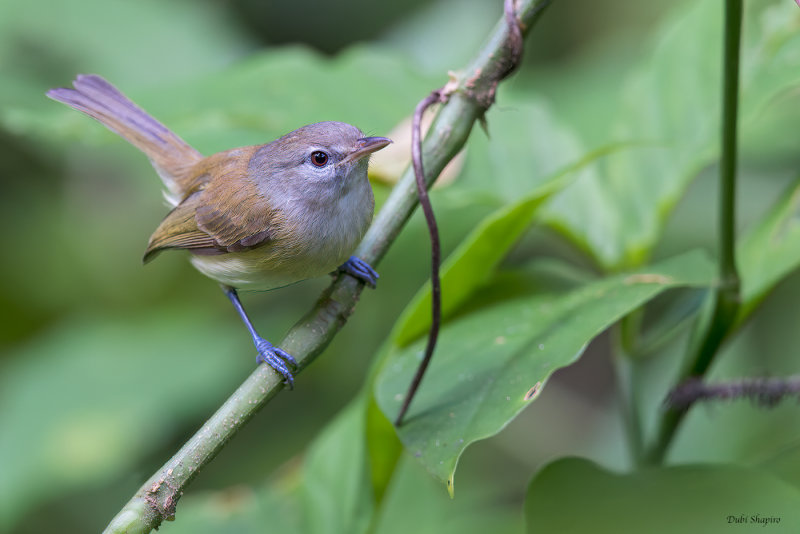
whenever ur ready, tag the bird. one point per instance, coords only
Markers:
(252, 218)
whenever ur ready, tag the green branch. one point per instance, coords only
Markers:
(471, 93)
(726, 296)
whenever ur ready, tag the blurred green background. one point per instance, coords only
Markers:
(107, 367)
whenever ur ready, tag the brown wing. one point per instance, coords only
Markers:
(179, 230)
(224, 212)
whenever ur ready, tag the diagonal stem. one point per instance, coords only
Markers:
(472, 93)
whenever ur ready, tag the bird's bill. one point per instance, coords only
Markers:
(366, 146)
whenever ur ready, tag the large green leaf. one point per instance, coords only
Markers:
(531, 156)
(770, 250)
(468, 267)
(573, 495)
(383, 446)
(670, 104)
(480, 253)
(490, 364)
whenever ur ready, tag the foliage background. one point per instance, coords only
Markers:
(107, 367)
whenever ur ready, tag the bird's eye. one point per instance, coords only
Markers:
(319, 158)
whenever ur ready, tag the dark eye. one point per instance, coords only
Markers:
(319, 158)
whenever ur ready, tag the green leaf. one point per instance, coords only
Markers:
(465, 270)
(383, 446)
(472, 263)
(336, 486)
(769, 251)
(490, 364)
(574, 495)
(479, 254)
(670, 104)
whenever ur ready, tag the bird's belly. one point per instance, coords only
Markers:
(263, 268)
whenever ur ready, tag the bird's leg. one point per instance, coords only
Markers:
(267, 352)
(361, 270)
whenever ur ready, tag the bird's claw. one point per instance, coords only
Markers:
(277, 359)
(361, 270)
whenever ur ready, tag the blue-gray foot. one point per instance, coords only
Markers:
(361, 270)
(275, 358)
(267, 352)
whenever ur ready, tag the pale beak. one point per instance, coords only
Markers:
(366, 146)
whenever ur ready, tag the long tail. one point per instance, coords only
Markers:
(171, 156)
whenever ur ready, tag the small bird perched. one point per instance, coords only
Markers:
(256, 217)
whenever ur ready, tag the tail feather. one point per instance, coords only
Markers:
(171, 156)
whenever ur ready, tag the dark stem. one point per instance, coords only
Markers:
(765, 391)
(727, 168)
(726, 296)
(514, 43)
(427, 209)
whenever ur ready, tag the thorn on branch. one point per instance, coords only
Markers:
(766, 392)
